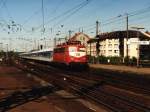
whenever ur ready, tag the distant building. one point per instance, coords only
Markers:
(115, 44)
(91, 47)
(83, 38)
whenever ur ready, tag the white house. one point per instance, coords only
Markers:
(116, 44)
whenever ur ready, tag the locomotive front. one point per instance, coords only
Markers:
(77, 54)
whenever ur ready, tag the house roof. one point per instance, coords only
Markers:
(77, 34)
(93, 40)
(123, 34)
(146, 34)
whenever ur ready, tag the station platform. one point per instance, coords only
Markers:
(122, 68)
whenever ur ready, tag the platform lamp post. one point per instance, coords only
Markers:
(138, 46)
(6, 51)
(1, 46)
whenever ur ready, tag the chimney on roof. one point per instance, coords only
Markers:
(82, 30)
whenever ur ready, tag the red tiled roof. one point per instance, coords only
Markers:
(120, 34)
(77, 34)
(148, 33)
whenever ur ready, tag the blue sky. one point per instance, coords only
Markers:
(27, 15)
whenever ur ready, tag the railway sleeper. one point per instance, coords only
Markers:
(19, 98)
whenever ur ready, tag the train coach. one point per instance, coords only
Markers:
(41, 55)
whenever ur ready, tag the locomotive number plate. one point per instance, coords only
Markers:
(77, 54)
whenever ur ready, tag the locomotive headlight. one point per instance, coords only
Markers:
(72, 49)
(65, 78)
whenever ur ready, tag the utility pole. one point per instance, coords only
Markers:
(6, 51)
(38, 45)
(1, 46)
(97, 27)
(43, 15)
(97, 44)
(70, 34)
(35, 44)
(45, 42)
(127, 36)
(82, 30)
(55, 42)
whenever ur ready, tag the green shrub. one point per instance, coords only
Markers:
(115, 60)
(133, 61)
(102, 59)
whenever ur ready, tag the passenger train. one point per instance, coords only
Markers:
(69, 53)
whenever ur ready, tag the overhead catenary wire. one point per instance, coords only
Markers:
(138, 20)
(43, 15)
(118, 19)
(121, 17)
(58, 6)
(141, 11)
(31, 17)
(1, 3)
(63, 14)
(4, 4)
(72, 13)
(112, 20)
(12, 26)
(38, 11)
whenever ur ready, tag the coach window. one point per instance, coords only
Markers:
(55, 50)
(61, 50)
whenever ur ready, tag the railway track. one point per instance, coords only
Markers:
(92, 89)
(136, 85)
(21, 97)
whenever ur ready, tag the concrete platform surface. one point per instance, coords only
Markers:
(122, 68)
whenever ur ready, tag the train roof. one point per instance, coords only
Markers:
(43, 50)
(38, 51)
(69, 43)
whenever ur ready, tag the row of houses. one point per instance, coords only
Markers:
(117, 44)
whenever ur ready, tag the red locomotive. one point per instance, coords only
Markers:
(70, 53)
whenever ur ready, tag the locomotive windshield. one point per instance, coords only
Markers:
(72, 49)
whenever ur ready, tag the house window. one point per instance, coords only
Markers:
(116, 51)
(116, 40)
(116, 45)
(104, 46)
(109, 40)
(83, 38)
(110, 45)
(110, 51)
